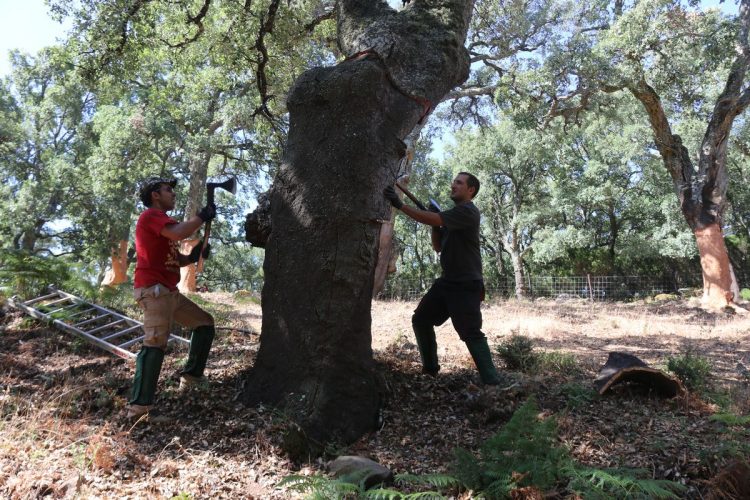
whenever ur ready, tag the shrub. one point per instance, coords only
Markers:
(745, 293)
(556, 361)
(525, 453)
(27, 275)
(518, 353)
(694, 371)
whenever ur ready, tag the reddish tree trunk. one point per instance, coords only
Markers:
(118, 273)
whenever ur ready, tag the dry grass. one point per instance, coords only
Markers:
(60, 400)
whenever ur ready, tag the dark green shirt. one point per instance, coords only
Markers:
(459, 256)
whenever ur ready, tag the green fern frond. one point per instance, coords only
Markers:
(731, 419)
(320, 487)
(440, 481)
(621, 483)
(383, 494)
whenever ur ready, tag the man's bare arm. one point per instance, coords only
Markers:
(423, 216)
(182, 230)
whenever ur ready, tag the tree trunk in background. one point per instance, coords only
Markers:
(702, 189)
(194, 202)
(347, 126)
(717, 271)
(189, 273)
(118, 273)
(522, 289)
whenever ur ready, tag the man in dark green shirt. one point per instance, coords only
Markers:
(458, 293)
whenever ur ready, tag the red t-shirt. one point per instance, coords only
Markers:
(157, 255)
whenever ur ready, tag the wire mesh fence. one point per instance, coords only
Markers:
(590, 287)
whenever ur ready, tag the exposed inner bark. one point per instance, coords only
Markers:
(717, 276)
(118, 273)
(189, 273)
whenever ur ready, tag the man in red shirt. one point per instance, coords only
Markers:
(157, 273)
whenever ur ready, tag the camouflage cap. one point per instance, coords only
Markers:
(152, 184)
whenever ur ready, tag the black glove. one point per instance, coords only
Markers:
(196, 252)
(433, 208)
(207, 213)
(390, 195)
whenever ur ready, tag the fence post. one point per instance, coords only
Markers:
(591, 290)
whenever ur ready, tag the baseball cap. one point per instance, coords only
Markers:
(152, 184)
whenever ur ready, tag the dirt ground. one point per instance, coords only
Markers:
(60, 401)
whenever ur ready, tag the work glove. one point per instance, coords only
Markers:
(390, 195)
(196, 252)
(207, 213)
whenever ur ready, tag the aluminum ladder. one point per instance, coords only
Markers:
(93, 323)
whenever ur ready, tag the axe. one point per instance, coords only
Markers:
(413, 198)
(229, 185)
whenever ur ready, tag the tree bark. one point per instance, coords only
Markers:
(118, 273)
(702, 189)
(189, 273)
(347, 126)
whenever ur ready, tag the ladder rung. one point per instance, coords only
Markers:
(64, 299)
(86, 322)
(131, 342)
(39, 299)
(104, 327)
(82, 312)
(121, 332)
(64, 308)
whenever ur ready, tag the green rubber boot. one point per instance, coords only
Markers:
(147, 369)
(200, 346)
(480, 352)
(427, 345)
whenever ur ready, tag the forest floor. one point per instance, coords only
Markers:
(61, 401)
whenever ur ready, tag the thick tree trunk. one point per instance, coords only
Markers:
(717, 272)
(196, 190)
(702, 190)
(118, 272)
(347, 125)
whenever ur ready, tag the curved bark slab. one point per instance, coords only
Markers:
(623, 367)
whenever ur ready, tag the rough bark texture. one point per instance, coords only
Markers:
(347, 125)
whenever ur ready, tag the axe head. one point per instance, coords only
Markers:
(228, 185)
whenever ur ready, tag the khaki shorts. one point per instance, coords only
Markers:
(162, 308)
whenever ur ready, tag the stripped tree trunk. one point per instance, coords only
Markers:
(702, 188)
(346, 138)
(118, 273)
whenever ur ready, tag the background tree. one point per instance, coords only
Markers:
(512, 165)
(656, 51)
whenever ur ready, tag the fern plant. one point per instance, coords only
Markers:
(523, 453)
(599, 484)
(27, 275)
(319, 487)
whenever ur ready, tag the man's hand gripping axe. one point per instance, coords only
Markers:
(434, 207)
(229, 185)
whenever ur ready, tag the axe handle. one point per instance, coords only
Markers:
(206, 234)
(207, 230)
(411, 196)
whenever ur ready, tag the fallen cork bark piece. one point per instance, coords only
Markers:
(623, 367)
(731, 483)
